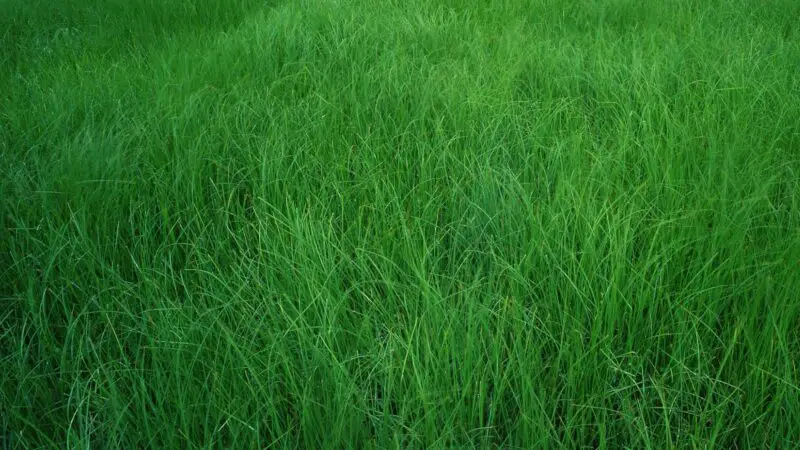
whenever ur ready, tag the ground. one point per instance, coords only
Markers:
(381, 224)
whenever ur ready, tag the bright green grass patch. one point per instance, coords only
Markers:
(399, 224)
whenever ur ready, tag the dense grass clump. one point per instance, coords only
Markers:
(380, 224)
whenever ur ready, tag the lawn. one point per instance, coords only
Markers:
(399, 224)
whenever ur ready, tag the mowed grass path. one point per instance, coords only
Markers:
(380, 224)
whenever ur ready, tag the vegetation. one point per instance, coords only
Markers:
(381, 224)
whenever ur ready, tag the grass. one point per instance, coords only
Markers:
(380, 224)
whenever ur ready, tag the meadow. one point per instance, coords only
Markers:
(399, 224)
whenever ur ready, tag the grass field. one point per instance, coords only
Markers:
(381, 224)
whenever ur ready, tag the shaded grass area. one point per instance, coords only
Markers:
(379, 224)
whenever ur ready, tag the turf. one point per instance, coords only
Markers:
(383, 224)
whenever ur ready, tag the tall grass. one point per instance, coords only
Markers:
(327, 224)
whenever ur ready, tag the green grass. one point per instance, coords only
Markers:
(381, 224)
